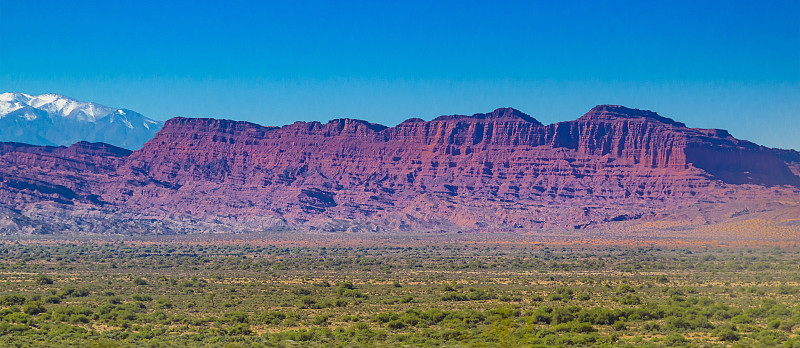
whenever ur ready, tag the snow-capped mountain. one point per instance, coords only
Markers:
(52, 119)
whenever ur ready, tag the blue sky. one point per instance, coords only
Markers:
(710, 64)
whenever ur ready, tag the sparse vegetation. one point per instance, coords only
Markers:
(132, 294)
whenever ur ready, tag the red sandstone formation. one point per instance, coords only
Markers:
(501, 170)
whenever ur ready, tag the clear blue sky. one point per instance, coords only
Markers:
(712, 64)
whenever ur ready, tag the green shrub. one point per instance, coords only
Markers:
(12, 329)
(141, 298)
(236, 317)
(163, 303)
(395, 325)
(307, 302)
(34, 308)
(321, 319)
(271, 318)
(742, 319)
(70, 291)
(43, 280)
(562, 315)
(10, 300)
(18, 318)
(562, 294)
(675, 340)
(625, 288)
(629, 299)
(726, 333)
(239, 330)
(52, 299)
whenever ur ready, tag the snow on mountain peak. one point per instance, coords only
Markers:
(53, 119)
(54, 104)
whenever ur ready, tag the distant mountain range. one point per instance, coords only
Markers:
(51, 119)
(496, 171)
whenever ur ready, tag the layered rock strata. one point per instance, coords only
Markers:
(500, 170)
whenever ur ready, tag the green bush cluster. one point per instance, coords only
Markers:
(164, 295)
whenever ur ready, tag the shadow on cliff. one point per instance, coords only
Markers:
(757, 165)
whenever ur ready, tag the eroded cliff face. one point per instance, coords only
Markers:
(33, 174)
(497, 170)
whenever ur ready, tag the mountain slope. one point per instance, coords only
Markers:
(54, 120)
(495, 171)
